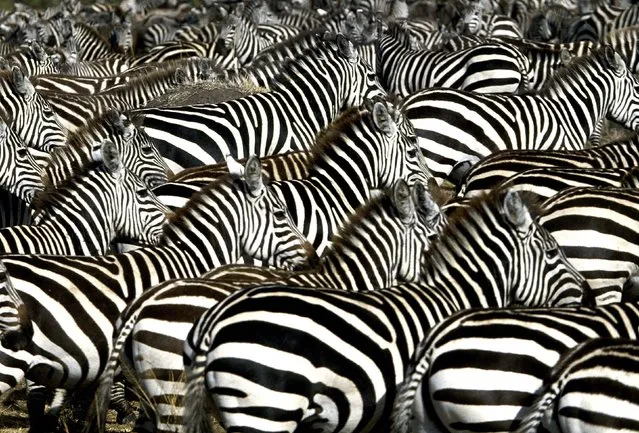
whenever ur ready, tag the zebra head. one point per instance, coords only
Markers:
(399, 155)
(139, 215)
(20, 174)
(268, 232)
(544, 276)
(361, 82)
(471, 18)
(421, 217)
(493, 251)
(624, 99)
(138, 153)
(28, 114)
(16, 330)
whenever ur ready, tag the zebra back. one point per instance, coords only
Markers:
(499, 342)
(496, 168)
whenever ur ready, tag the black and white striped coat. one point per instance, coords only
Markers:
(484, 368)
(455, 126)
(344, 353)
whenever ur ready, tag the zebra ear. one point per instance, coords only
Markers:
(565, 56)
(516, 212)
(236, 170)
(4, 64)
(614, 60)
(111, 157)
(22, 84)
(383, 120)
(425, 202)
(39, 52)
(346, 48)
(253, 175)
(180, 76)
(402, 200)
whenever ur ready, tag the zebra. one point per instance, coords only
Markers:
(593, 86)
(499, 166)
(605, 18)
(137, 154)
(32, 59)
(607, 365)
(474, 22)
(82, 216)
(75, 110)
(345, 352)
(486, 68)
(27, 113)
(388, 223)
(238, 213)
(543, 183)
(284, 119)
(597, 229)
(484, 368)
(20, 174)
(363, 150)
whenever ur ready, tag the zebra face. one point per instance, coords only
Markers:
(16, 330)
(269, 233)
(21, 173)
(625, 96)
(141, 216)
(32, 118)
(545, 277)
(416, 168)
(144, 159)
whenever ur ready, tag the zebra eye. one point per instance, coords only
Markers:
(143, 193)
(412, 153)
(147, 149)
(552, 252)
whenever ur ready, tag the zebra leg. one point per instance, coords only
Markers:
(36, 401)
(126, 414)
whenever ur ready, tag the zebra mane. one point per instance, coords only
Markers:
(327, 137)
(621, 33)
(168, 73)
(74, 159)
(342, 239)
(289, 68)
(573, 70)
(50, 195)
(180, 218)
(482, 204)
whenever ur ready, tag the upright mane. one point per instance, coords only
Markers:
(574, 70)
(327, 137)
(74, 159)
(180, 218)
(482, 204)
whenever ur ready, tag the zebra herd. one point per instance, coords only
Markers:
(408, 217)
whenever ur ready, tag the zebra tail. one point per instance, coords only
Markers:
(197, 401)
(103, 393)
(537, 412)
(402, 413)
